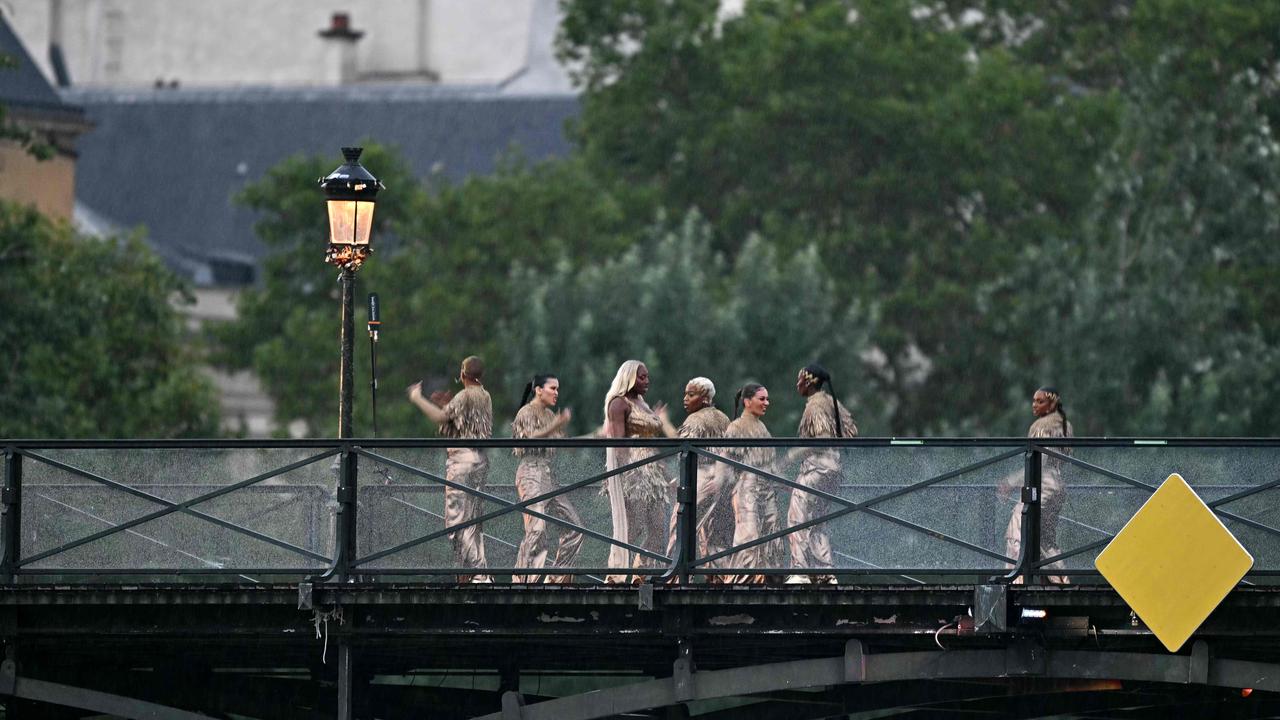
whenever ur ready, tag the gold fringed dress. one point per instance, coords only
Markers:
(646, 493)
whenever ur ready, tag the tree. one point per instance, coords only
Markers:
(672, 302)
(443, 251)
(1172, 308)
(915, 161)
(92, 345)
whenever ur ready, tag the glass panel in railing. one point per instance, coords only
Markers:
(404, 505)
(402, 509)
(1237, 483)
(177, 509)
(1088, 494)
(934, 507)
(643, 495)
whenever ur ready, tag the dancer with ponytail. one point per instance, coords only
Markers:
(824, 417)
(704, 421)
(755, 499)
(537, 418)
(639, 498)
(1050, 422)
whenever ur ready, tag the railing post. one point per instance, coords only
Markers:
(1031, 514)
(11, 517)
(345, 542)
(687, 514)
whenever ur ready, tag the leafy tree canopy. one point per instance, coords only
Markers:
(92, 346)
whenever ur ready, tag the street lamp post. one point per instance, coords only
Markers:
(351, 192)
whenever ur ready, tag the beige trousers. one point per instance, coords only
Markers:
(1052, 497)
(714, 513)
(533, 478)
(811, 547)
(755, 513)
(470, 468)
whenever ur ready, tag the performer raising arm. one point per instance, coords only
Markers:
(467, 415)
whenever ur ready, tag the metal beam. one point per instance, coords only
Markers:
(92, 700)
(954, 664)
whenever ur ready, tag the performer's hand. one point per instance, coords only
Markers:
(563, 417)
(441, 397)
(414, 390)
(660, 409)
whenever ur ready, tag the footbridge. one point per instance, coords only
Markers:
(317, 579)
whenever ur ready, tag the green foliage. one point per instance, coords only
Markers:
(1174, 289)
(948, 204)
(441, 259)
(915, 164)
(671, 302)
(288, 327)
(91, 345)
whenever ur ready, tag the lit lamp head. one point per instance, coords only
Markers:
(351, 192)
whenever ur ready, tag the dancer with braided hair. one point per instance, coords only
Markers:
(824, 417)
(538, 419)
(1051, 422)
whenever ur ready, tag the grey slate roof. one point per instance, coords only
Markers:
(171, 160)
(24, 90)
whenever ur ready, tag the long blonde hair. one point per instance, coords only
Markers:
(622, 383)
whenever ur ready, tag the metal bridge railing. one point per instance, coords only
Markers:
(785, 509)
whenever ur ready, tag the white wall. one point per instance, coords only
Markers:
(203, 43)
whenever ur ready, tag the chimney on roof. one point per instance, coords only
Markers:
(340, 50)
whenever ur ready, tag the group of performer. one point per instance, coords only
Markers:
(733, 506)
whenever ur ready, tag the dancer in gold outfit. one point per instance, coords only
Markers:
(755, 499)
(714, 516)
(537, 419)
(824, 417)
(638, 499)
(1050, 422)
(467, 415)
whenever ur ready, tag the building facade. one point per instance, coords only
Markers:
(221, 43)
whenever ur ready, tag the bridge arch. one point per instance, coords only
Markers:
(857, 666)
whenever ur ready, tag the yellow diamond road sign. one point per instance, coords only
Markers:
(1173, 562)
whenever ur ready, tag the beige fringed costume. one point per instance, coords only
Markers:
(469, 416)
(533, 478)
(811, 547)
(755, 501)
(1052, 494)
(646, 492)
(715, 518)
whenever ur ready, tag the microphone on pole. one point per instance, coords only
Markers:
(375, 321)
(375, 324)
